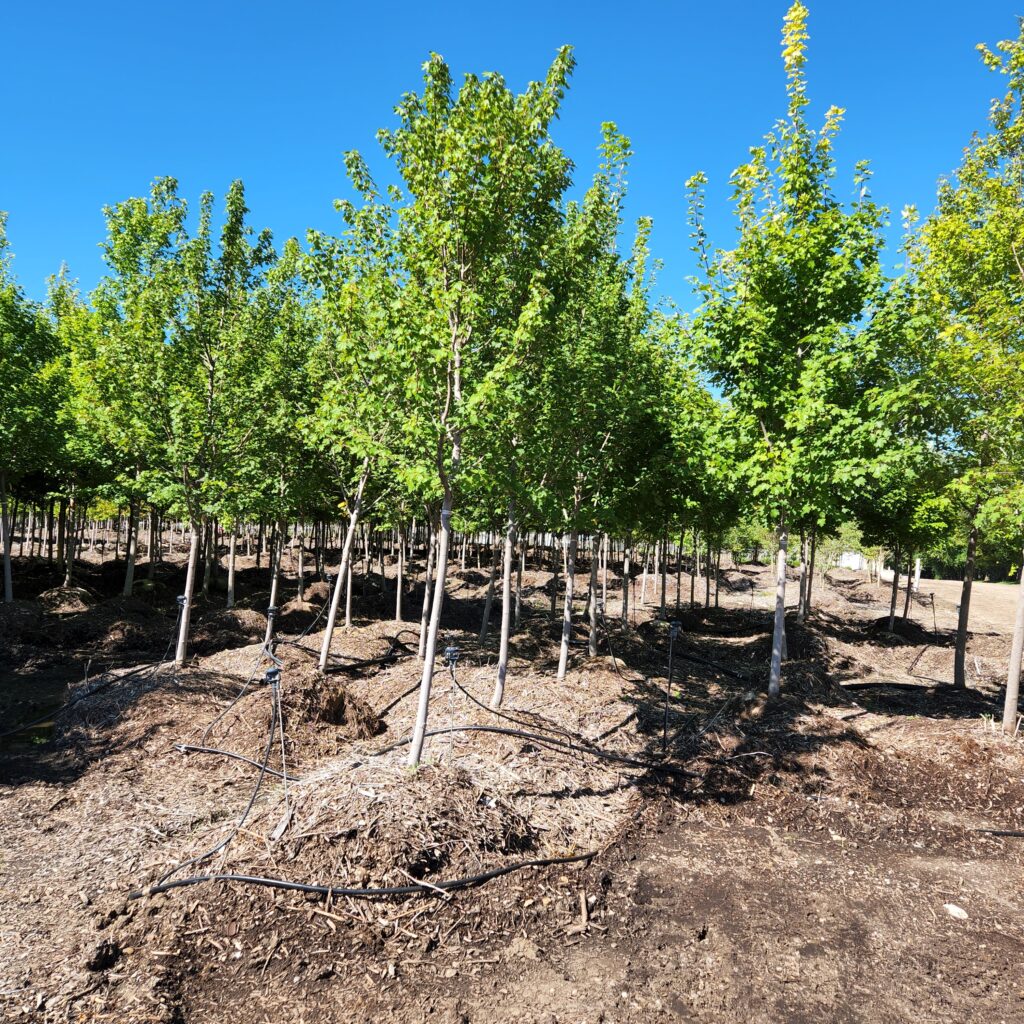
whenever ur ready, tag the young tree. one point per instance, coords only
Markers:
(483, 180)
(778, 311)
(969, 259)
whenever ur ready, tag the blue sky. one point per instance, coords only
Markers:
(103, 97)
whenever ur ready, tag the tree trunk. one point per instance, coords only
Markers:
(694, 569)
(803, 578)
(300, 536)
(679, 570)
(567, 607)
(625, 580)
(400, 574)
(718, 572)
(425, 615)
(6, 541)
(555, 563)
(895, 591)
(592, 639)
(190, 583)
(153, 555)
(485, 624)
(664, 575)
(960, 658)
(69, 538)
(62, 529)
(430, 651)
(506, 605)
(132, 548)
(520, 566)
(276, 555)
(231, 566)
(707, 573)
(906, 602)
(1013, 671)
(209, 543)
(779, 632)
(346, 556)
(810, 570)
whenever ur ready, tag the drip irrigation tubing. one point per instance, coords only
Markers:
(248, 808)
(606, 755)
(333, 891)
(350, 664)
(191, 748)
(558, 730)
(91, 691)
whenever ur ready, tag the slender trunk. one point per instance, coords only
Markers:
(1013, 670)
(425, 614)
(276, 554)
(485, 625)
(186, 611)
(6, 541)
(643, 578)
(895, 588)
(153, 555)
(554, 579)
(694, 571)
(348, 596)
(343, 570)
(592, 640)
(400, 574)
(604, 573)
(520, 567)
(810, 571)
(49, 533)
(664, 575)
(779, 632)
(625, 581)
(679, 569)
(62, 524)
(960, 659)
(506, 604)
(430, 651)
(300, 536)
(707, 573)
(69, 538)
(231, 567)
(803, 578)
(718, 572)
(132, 548)
(567, 608)
(906, 602)
(209, 542)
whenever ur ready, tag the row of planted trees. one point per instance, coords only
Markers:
(471, 350)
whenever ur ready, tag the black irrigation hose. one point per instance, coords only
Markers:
(190, 748)
(516, 721)
(245, 814)
(91, 691)
(606, 755)
(1006, 833)
(354, 665)
(425, 889)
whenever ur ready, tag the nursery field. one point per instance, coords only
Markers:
(832, 854)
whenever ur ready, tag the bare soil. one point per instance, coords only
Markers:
(827, 856)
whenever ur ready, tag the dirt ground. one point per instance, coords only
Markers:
(830, 856)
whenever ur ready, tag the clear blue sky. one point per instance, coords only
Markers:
(102, 97)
